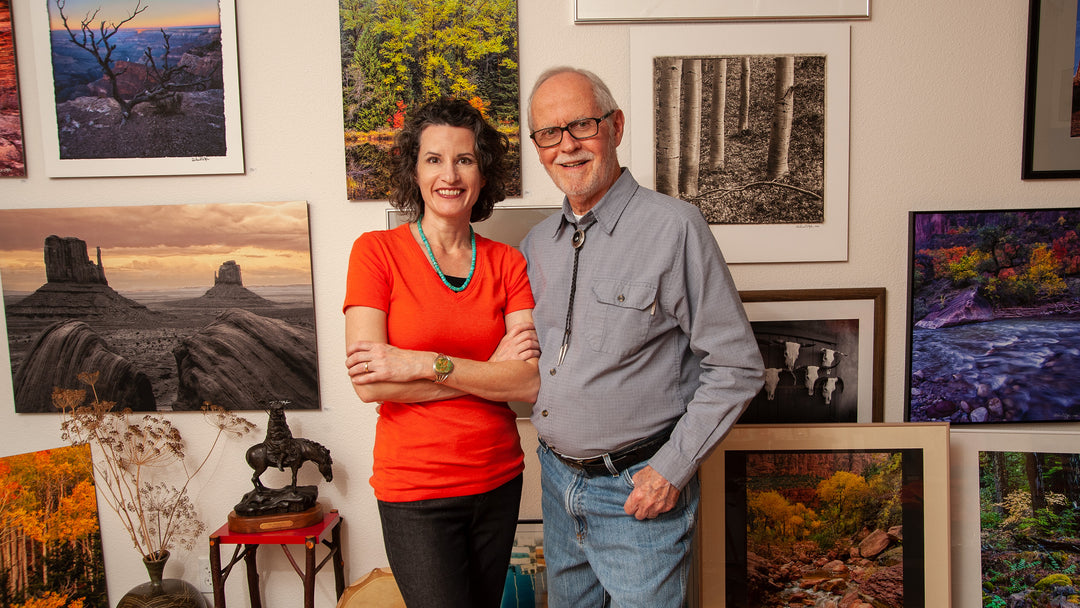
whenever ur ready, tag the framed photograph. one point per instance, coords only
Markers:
(526, 581)
(173, 305)
(828, 511)
(993, 331)
(468, 50)
(1052, 97)
(732, 162)
(1014, 523)
(137, 88)
(12, 156)
(49, 523)
(507, 225)
(824, 354)
(607, 11)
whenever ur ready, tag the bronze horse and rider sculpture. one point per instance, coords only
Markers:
(282, 451)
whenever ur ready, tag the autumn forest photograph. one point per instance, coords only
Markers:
(824, 528)
(400, 54)
(995, 316)
(50, 542)
(1029, 528)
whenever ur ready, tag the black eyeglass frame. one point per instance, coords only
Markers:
(566, 129)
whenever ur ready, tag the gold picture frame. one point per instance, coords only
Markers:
(920, 450)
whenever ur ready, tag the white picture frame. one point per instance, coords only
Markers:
(965, 445)
(231, 162)
(752, 243)
(607, 11)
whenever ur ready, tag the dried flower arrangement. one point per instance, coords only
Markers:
(156, 515)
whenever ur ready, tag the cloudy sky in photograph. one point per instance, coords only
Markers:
(163, 246)
(158, 13)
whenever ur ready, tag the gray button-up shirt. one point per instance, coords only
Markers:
(659, 334)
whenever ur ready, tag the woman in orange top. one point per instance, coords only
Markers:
(438, 324)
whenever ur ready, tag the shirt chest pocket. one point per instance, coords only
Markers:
(619, 316)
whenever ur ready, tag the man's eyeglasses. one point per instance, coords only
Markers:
(583, 128)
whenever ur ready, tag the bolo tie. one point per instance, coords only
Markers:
(577, 241)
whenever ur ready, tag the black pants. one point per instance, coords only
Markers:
(452, 552)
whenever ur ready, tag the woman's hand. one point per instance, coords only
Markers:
(519, 344)
(380, 372)
(370, 362)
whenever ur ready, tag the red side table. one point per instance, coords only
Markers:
(247, 546)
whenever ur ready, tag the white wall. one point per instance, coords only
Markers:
(936, 122)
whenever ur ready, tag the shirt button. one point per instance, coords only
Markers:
(544, 413)
(551, 371)
(621, 298)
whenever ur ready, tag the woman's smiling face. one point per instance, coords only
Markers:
(448, 171)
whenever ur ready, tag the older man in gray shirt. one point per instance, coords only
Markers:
(647, 359)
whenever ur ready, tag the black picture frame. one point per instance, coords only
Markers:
(1051, 148)
(993, 330)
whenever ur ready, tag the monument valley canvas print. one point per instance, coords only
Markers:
(12, 161)
(174, 305)
(994, 316)
(139, 87)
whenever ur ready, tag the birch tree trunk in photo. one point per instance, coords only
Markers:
(1000, 481)
(1036, 482)
(783, 111)
(716, 114)
(690, 146)
(744, 96)
(667, 125)
(1072, 478)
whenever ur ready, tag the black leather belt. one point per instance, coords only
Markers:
(620, 459)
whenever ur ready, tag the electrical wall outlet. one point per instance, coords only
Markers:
(205, 580)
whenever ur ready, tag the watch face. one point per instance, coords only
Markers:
(443, 364)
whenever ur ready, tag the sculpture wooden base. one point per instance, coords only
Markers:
(271, 523)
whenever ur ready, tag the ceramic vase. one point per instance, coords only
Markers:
(162, 592)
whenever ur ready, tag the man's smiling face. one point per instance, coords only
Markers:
(583, 169)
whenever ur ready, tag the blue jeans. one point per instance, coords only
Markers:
(598, 556)
(452, 552)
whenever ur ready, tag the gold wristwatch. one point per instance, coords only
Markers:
(442, 366)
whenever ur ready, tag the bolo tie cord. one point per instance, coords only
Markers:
(576, 242)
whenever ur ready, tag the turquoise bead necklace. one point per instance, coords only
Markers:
(435, 263)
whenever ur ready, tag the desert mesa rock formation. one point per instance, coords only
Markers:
(76, 287)
(212, 349)
(228, 292)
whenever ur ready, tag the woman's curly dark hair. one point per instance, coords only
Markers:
(491, 149)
